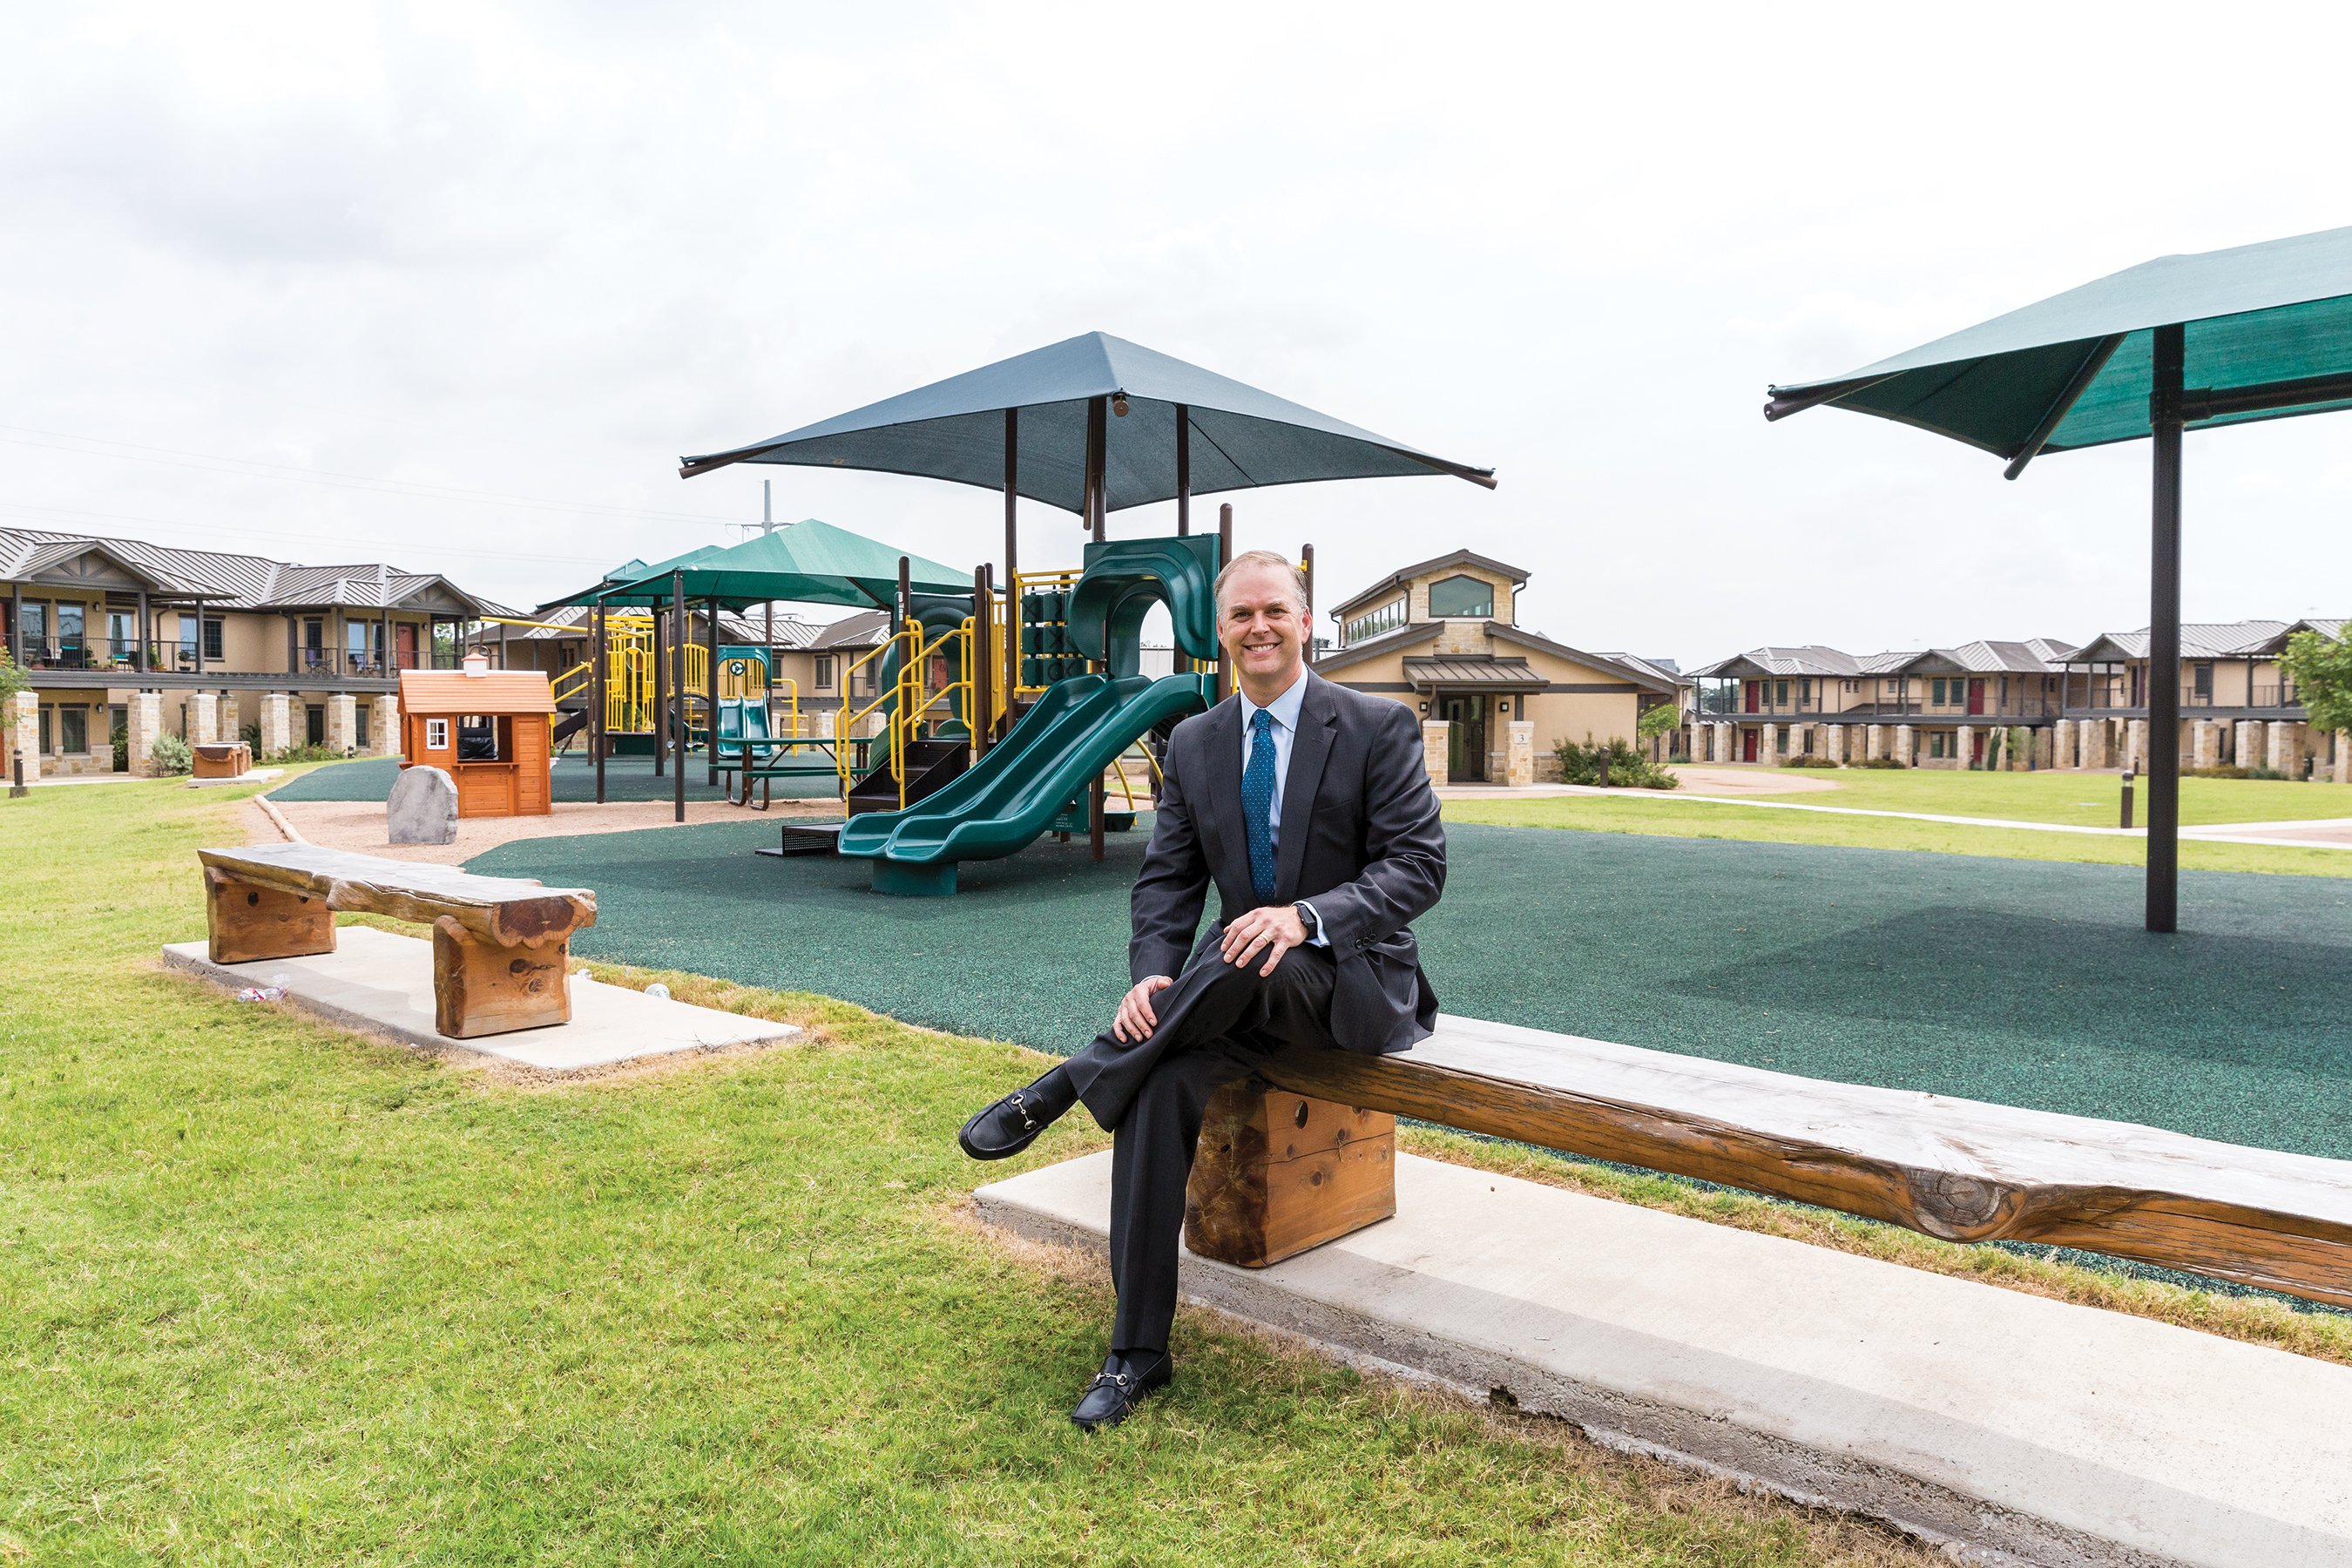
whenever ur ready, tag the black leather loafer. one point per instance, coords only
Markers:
(1120, 1387)
(1006, 1128)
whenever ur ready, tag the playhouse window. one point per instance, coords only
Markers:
(1461, 596)
(437, 734)
(477, 739)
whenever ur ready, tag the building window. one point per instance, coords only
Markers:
(47, 748)
(1852, 687)
(2202, 676)
(437, 734)
(1779, 694)
(360, 726)
(1387, 618)
(824, 677)
(212, 638)
(1461, 598)
(1936, 740)
(314, 725)
(73, 732)
(1936, 699)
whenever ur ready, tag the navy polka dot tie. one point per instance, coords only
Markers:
(1257, 806)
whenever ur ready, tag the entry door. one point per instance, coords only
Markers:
(1465, 739)
(1976, 696)
(404, 641)
(1977, 748)
(1747, 745)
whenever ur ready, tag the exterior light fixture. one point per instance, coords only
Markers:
(1119, 404)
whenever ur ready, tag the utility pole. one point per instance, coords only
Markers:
(768, 653)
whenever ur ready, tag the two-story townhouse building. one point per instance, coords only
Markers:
(118, 632)
(1932, 708)
(2237, 708)
(1442, 636)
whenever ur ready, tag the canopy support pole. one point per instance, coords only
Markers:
(1011, 560)
(660, 715)
(979, 696)
(710, 691)
(598, 704)
(2077, 384)
(2163, 760)
(1225, 559)
(678, 722)
(1183, 469)
(1097, 441)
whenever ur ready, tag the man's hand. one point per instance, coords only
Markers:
(1136, 1019)
(1275, 928)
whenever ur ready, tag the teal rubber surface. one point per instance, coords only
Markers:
(626, 778)
(1012, 793)
(2024, 983)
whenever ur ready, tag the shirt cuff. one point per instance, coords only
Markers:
(1314, 937)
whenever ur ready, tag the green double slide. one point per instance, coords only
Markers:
(1016, 790)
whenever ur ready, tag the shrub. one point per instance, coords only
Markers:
(307, 754)
(2266, 774)
(2218, 772)
(1806, 759)
(1877, 763)
(1628, 769)
(121, 739)
(170, 755)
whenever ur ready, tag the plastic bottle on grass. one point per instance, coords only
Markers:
(658, 990)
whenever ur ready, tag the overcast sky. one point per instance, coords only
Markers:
(455, 285)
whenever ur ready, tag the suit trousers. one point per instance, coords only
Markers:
(1217, 1024)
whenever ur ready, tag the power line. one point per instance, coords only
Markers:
(240, 531)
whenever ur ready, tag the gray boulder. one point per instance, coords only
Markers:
(423, 808)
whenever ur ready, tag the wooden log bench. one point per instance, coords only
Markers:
(220, 760)
(1306, 1154)
(501, 946)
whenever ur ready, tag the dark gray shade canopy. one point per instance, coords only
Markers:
(2268, 334)
(954, 430)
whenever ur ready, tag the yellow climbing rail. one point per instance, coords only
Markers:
(908, 701)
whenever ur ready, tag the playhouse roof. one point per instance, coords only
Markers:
(438, 692)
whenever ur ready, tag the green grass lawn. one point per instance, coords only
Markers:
(271, 1293)
(2083, 800)
(1644, 812)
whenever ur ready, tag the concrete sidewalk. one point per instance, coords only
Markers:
(2029, 1430)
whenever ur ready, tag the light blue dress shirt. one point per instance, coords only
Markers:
(1285, 710)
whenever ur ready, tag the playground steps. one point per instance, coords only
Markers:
(931, 765)
(806, 838)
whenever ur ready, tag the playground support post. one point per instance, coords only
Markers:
(1098, 521)
(660, 715)
(710, 674)
(2163, 761)
(982, 698)
(598, 701)
(1306, 570)
(677, 708)
(1012, 560)
(1183, 469)
(1224, 554)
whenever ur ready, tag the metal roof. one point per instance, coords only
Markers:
(2198, 639)
(228, 580)
(1483, 671)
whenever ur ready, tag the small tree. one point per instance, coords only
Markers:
(2321, 667)
(13, 679)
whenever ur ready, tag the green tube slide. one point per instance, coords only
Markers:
(1014, 792)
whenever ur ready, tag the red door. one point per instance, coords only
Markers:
(1753, 698)
(1747, 745)
(1976, 696)
(1976, 749)
(405, 643)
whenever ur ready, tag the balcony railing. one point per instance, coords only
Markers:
(103, 655)
(1991, 708)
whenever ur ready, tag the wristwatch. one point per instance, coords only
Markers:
(1308, 918)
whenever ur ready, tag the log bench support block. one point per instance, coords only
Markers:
(248, 922)
(1276, 1172)
(480, 988)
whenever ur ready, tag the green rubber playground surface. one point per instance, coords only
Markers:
(626, 778)
(2026, 983)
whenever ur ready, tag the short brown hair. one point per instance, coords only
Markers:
(1275, 559)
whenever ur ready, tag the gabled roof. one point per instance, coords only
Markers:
(1813, 661)
(2198, 639)
(750, 628)
(865, 629)
(1404, 575)
(449, 691)
(1637, 675)
(1664, 669)
(1404, 636)
(231, 581)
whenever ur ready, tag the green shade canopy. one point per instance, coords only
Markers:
(811, 561)
(2268, 334)
(1238, 437)
(613, 588)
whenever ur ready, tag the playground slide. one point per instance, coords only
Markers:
(1008, 798)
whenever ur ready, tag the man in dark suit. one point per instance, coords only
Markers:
(1309, 807)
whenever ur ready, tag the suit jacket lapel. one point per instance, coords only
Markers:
(1319, 716)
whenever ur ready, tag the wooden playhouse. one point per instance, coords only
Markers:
(487, 729)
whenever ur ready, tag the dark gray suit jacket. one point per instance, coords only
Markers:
(1360, 838)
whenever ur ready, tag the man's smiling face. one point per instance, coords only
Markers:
(1261, 626)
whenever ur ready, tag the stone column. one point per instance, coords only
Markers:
(1519, 766)
(384, 727)
(2045, 750)
(144, 723)
(2201, 750)
(2282, 737)
(1874, 742)
(2062, 744)
(1834, 742)
(342, 722)
(1904, 740)
(24, 736)
(1727, 742)
(1965, 738)
(203, 718)
(2092, 734)
(1432, 751)
(1768, 744)
(2136, 745)
(276, 724)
